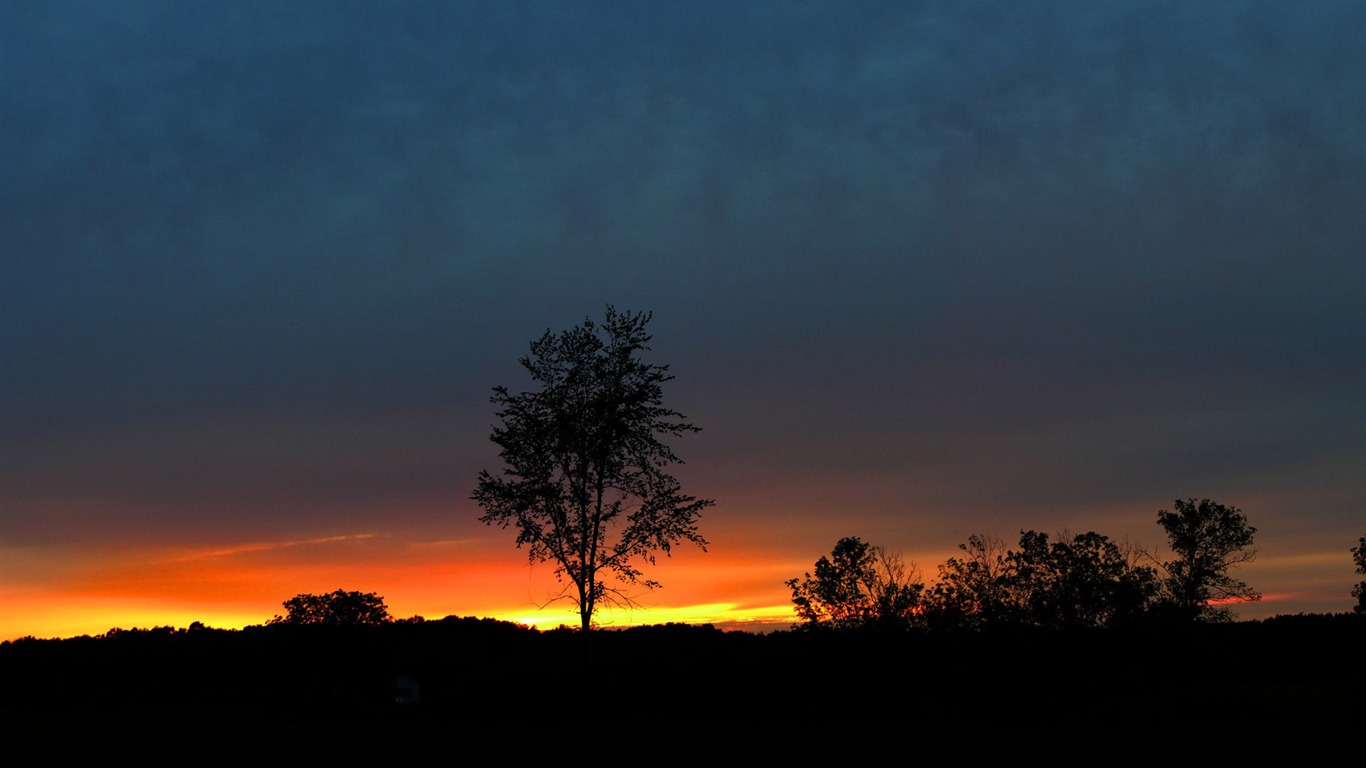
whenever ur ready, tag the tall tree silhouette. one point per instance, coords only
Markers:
(586, 481)
(1208, 539)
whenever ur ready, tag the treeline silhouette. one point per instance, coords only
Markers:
(1071, 582)
(471, 680)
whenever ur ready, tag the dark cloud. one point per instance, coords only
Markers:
(1006, 248)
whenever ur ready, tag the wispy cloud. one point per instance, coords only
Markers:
(275, 545)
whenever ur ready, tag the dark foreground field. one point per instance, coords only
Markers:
(681, 695)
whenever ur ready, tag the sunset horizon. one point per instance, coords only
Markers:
(133, 594)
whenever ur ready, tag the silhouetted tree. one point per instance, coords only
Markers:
(858, 586)
(1359, 591)
(1085, 581)
(1208, 539)
(1081, 581)
(973, 591)
(585, 481)
(338, 608)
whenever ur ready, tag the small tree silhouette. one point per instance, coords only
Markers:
(1359, 591)
(858, 586)
(973, 591)
(339, 608)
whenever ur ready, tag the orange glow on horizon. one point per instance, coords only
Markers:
(237, 585)
(67, 591)
(75, 616)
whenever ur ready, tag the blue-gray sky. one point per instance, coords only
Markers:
(922, 269)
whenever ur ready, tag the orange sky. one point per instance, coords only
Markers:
(48, 592)
(54, 594)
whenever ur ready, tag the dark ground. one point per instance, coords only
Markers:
(677, 694)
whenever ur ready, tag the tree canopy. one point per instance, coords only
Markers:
(338, 609)
(1072, 582)
(972, 591)
(1078, 582)
(857, 586)
(1207, 540)
(586, 481)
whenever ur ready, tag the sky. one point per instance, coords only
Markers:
(921, 270)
